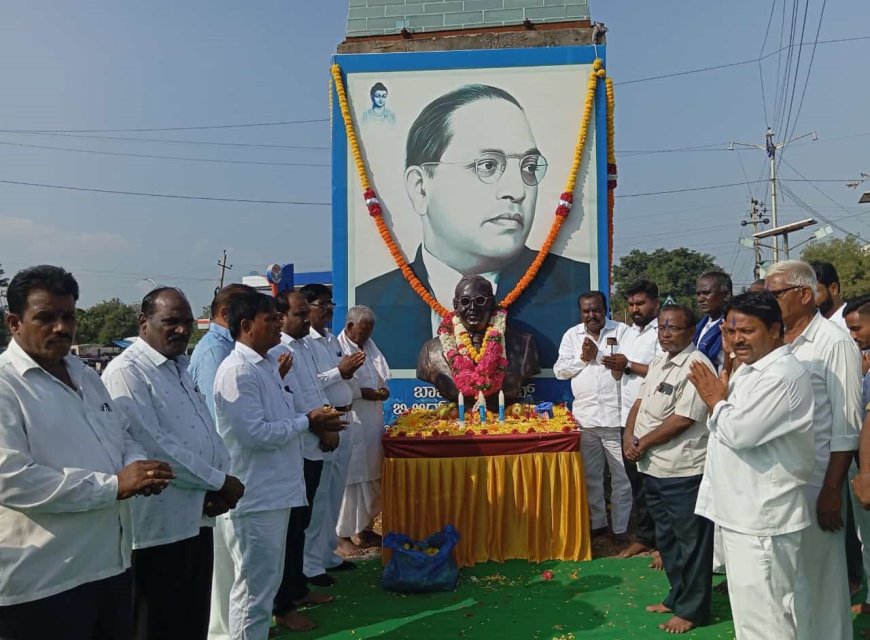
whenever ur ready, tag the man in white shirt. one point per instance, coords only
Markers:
(334, 372)
(597, 407)
(207, 356)
(66, 463)
(307, 393)
(666, 435)
(172, 540)
(834, 365)
(262, 431)
(362, 495)
(828, 299)
(759, 457)
(642, 298)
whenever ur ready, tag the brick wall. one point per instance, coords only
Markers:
(381, 17)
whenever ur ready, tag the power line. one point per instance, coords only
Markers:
(162, 195)
(659, 193)
(160, 157)
(194, 128)
(739, 63)
(761, 53)
(170, 141)
(826, 196)
(810, 66)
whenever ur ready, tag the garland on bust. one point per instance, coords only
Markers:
(566, 199)
(475, 370)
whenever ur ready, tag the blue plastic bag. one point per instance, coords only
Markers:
(421, 566)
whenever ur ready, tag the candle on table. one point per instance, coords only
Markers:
(461, 407)
(501, 406)
(481, 403)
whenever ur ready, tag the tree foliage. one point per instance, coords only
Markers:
(849, 259)
(673, 270)
(106, 321)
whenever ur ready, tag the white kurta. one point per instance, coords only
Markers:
(362, 497)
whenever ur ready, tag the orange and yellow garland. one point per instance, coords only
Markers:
(566, 199)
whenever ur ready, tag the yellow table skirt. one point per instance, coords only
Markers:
(529, 505)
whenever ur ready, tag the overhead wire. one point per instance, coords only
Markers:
(163, 195)
(189, 128)
(172, 141)
(162, 157)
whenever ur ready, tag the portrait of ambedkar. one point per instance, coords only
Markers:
(472, 173)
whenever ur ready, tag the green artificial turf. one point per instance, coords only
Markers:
(603, 598)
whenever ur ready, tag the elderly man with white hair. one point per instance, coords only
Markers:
(362, 496)
(834, 364)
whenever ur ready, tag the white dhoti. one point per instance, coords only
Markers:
(362, 495)
(822, 601)
(762, 571)
(221, 583)
(256, 543)
(598, 444)
(320, 536)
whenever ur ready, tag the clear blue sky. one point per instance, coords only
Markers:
(161, 64)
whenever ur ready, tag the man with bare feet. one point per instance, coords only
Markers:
(666, 436)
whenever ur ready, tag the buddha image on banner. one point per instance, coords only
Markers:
(468, 165)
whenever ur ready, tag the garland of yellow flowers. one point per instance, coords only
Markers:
(566, 199)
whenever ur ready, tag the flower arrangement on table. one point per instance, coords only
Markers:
(444, 421)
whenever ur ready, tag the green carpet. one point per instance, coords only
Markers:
(599, 599)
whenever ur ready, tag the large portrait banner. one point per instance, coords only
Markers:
(468, 152)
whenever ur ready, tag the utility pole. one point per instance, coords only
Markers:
(771, 148)
(756, 218)
(224, 268)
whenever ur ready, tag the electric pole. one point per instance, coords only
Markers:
(771, 148)
(756, 217)
(224, 268)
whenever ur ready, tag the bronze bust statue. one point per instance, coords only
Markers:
(475, 306)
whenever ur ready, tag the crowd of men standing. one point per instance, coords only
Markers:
(253, 470)
(732, 437)
(239, 465)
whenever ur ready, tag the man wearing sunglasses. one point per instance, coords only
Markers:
(833, 363)
(475, 304)
(472, 174)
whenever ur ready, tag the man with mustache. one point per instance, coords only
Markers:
(759, 458)
(712, 293)
(472, 175)
(172, 534)
(666, 436)
(475, 307)
(643, 305)
(833, 363)
(66, 463)
(263, 433)
(828, 299)
(597, 407)
(307, 394)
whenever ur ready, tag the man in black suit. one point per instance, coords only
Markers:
(472, 175)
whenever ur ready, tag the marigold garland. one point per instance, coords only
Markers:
(475, 370)
(563, 209)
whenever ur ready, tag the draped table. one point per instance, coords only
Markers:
(509, 496)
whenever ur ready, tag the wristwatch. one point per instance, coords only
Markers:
(627, 369)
